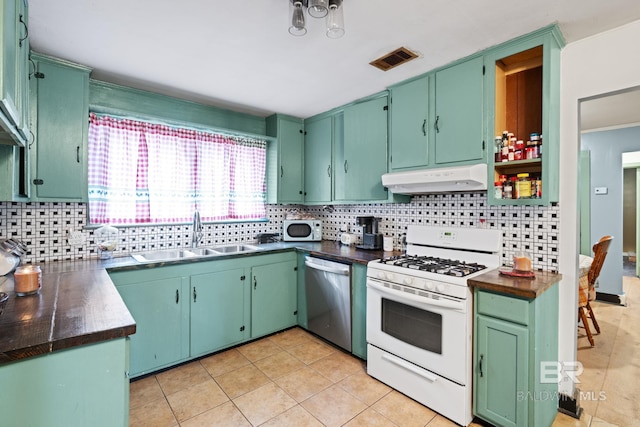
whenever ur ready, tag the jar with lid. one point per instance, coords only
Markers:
(519, 150)
(27, 280)
(523, 186)
(11, 252)
(497, 190)
(106, 239)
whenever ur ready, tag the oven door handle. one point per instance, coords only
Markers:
(409, 367)
(420, 300)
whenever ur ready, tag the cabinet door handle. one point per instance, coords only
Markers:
(26, 31)
(424, 130)
(436, 124)
(177, 296)
(329, 171)
(78, 154)
(480, 366)
(345, 166)
(195, 295)
(281, 171)
(255, 282)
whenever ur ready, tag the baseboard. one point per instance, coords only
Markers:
(570, 405)
(611, 298)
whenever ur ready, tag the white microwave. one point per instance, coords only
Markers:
(302, 230)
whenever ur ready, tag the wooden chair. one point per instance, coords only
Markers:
(586, 289)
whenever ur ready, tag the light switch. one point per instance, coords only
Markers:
(601, 190)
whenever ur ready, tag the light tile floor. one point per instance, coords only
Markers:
(609, 383)
(288, 379)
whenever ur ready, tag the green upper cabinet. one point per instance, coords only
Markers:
(318, 141)
(458, 114)
(523, 97)
(285, 160)
(219, 310)
(409, 124)
(274, 297)
(14, 73)
(364, 153)
(60, 103)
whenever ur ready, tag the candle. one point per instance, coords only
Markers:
(27, 280)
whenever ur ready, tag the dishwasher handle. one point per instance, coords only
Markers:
(339, 270)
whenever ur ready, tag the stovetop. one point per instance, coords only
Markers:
(433, 264)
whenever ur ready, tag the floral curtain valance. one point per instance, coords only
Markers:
(145, 173)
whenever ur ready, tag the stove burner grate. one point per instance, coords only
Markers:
(434, 265)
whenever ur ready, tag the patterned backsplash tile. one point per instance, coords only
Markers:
(44, 227)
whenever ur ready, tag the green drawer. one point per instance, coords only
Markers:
(503, 307)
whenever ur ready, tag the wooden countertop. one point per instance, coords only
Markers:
(74, 307)
(519, 287)
(79, 304)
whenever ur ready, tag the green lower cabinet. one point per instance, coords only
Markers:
(273, 297)
(359, 310)
(502, 363)
(161, 311)
(302, 291)
(82, 386)
(514, 338)
(219, 310)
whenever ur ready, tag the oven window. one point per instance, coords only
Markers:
(412, 325)
(299, 230)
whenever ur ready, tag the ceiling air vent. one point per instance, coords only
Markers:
(393, 59)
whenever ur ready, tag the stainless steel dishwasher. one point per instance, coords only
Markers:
(328, 288)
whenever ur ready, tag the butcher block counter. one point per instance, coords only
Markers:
(523, 287)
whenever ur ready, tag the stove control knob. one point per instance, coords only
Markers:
(381, 275)
(407, 280)
(440, 287)
(391, 277)
(429, 286)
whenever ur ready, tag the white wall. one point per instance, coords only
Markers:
(607, 62)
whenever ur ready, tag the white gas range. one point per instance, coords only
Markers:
(419, 315)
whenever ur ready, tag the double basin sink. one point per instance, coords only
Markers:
(170, 255)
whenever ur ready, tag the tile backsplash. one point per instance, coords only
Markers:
(44, 227)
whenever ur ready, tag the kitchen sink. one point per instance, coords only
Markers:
(230, 249)
(171, 255)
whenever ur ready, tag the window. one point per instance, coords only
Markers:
(146, 173)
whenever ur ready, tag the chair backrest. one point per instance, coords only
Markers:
(600, 250)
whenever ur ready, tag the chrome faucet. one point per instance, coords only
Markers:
(197, 233)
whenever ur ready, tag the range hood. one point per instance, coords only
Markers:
(439, 180)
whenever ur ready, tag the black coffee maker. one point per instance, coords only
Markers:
(371, 239)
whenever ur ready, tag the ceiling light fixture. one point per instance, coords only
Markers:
(332, 9)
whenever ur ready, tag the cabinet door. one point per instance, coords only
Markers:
(458, 112)
(317, 160)
(291, 142)
(161, 311)
(501, 372)
(9, 79)
(273, 298)
(62, 119)
(365, 150)
(217, 310)
(408, 133)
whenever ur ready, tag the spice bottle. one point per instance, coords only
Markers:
(507, 190)
(514, 182)
(497, 190)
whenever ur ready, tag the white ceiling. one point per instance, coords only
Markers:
(238, 54)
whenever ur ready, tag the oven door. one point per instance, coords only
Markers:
(431, 331)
